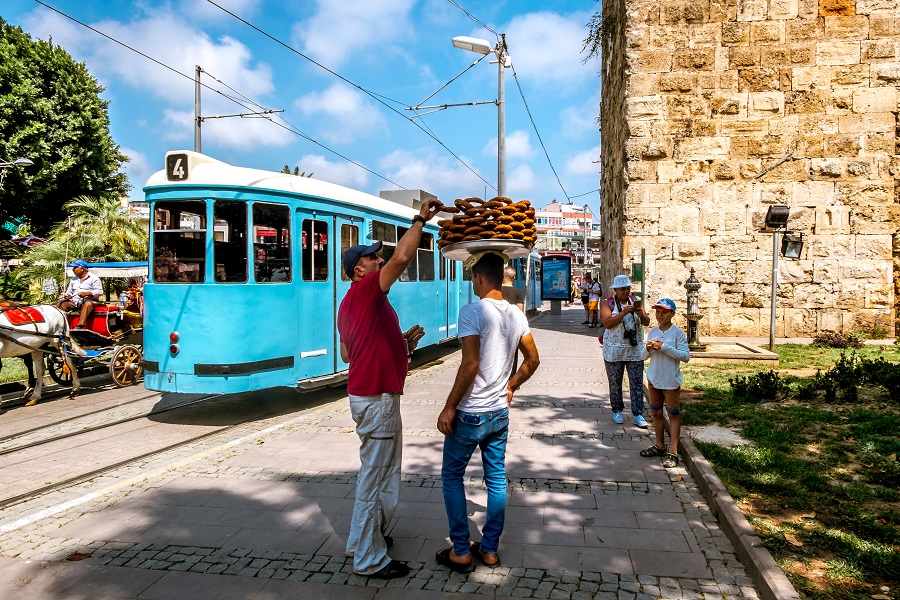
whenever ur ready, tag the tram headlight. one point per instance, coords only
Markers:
(173, 349)
(174, 337)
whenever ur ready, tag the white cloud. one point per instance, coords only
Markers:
(204, 10)
(579, 120)
(582, 163)
(341, 29)
(347, 113)
(341, 172)
(138, 169)
(518, 145)
(424, 169)
(520, 181)
(546, 47)
(172, 41)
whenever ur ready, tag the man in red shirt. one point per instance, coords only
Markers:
(376, 350)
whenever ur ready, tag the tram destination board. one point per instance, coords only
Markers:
(177, 166)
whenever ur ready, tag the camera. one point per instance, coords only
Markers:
(631, 334)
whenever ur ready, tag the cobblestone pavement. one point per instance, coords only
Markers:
(262, 511)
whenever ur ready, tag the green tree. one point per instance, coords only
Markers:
(287, 171)
(52, 113)
(98, 230)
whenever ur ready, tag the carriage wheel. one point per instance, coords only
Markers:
(58, 370)
(126, 365)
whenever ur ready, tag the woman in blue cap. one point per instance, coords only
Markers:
(84, 289)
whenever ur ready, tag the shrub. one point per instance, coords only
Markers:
(835, 339)
(765, 385)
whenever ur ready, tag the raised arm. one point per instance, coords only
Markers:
(407, 246)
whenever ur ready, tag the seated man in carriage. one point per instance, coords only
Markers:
(84, 290)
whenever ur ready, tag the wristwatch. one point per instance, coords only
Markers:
(417, 218)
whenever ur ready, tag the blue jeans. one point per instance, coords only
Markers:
(488, 431)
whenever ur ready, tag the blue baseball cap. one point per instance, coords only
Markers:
(351, 256)
(80, 263)
(664, 303)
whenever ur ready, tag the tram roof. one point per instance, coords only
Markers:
(204, 170)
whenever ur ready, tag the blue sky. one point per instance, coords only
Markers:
(399, 49)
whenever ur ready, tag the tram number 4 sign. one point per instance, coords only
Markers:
(177, 167)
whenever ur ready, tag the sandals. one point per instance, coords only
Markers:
(670, 461)
(443, 558)
(654, 450)
(476, 552)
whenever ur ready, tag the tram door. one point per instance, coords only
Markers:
(452, 269)
(315, 294)
(349, 230)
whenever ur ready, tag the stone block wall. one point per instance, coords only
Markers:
(735, 105)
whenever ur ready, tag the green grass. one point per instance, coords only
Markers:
(837, 461)
(13, 370)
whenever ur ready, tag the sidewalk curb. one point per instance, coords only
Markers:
(771, 581)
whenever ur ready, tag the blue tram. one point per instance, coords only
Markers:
(245, 278)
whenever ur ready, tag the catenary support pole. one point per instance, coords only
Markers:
(501, 120)
(197, 146)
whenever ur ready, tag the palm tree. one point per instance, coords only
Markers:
(98, 230)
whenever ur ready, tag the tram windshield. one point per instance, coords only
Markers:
(179, 241)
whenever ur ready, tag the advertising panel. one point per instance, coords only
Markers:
(556, 277)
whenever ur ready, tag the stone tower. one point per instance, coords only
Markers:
(714, 109)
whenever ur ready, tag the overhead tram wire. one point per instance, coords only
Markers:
(288, 127)
(474, 18)
(538, 133)
(373, 95)
(584, 194)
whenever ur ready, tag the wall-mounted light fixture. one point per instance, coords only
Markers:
(791, 245)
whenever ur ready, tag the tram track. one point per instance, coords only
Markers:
(310, 401)
(84, 430)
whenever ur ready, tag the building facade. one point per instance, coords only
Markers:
(713, 110)
(564, 228)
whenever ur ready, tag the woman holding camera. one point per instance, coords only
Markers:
(624, 319)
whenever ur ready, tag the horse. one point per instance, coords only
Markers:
(25, 330)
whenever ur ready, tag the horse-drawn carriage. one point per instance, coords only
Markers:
(113, 335)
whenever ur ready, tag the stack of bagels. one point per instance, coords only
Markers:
(496, 219)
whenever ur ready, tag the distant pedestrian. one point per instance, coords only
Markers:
(376, 349)
(512, 294)
(666, 347)
(476, 413)
(585, 297)
(594, 291)
(624, 319)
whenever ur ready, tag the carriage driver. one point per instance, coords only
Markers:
(376, 349)
(84, 289)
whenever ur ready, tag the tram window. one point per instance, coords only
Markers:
(271, 243)
(442, 268)
(426, 257)
(386, 233)
(452, 270)
(349, 237)
(411, 272)
(315, 250)
(230, 234)
(179, 241)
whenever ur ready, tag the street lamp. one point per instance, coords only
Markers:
(792, 245)
(484, 47)
(19, 162)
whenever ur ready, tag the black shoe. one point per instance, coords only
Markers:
(586, 323)
(393, 570)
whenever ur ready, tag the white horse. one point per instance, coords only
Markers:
(27, 337)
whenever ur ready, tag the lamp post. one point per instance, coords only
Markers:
(480, 46)
(19, 162)
(776, 223)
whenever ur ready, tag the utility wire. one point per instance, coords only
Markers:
(538, 133)
(374, 96)
(471, 16)
(585, 194)
(288, 127)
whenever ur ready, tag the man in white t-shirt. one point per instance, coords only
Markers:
(477, 411)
